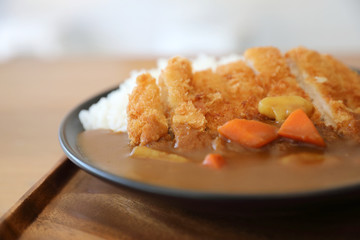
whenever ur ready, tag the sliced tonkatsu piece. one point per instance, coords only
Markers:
(333, 87)
(229, 92)
(210, 98)
(145, 112)
(243, 88)
(186, 121)
(273, 72)
(207, 81)
(275, 75)
(175, 81)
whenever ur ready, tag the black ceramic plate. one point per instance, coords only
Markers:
(219, 202)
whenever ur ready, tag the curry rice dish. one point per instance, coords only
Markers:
(266, 114)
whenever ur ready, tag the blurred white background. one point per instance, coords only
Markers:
(57, 28)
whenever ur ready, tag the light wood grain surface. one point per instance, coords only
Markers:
(35, 96)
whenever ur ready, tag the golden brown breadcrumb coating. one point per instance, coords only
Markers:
(208, 81)
(229, 92)
(273, 72)
(176, 89)
(210, 98)
(240, 78)
(243, 88)
(145, 112)
(175, 81)
(334, 88)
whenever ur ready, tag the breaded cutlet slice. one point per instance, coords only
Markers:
(145, 112)
(211, 99)
(242, 88)
(334, 88)
(186, 121)
(208, 81)
(275, 75)
(273, 72)
(229, 92)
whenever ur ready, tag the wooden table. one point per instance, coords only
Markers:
(35, 96)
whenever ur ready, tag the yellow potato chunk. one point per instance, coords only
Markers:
(146, 152)
(303, 158)
(279, 108)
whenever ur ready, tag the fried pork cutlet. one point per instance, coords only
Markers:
(273, 73)
(209, 91)
(333, 87)
(229, 92)
(189, 107)
(145, 112)
(243, 89)
(275, 76)
(207, 81)
(186, 121)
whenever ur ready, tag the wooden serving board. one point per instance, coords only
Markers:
(69, 203)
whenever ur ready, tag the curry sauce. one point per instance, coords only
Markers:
(281, 167)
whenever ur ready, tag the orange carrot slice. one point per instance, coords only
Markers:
(214, 160)
(299, 127)
(249, 133)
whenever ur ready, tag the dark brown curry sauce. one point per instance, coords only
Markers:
(277, 168)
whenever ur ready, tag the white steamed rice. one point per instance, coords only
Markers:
(110, 112)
